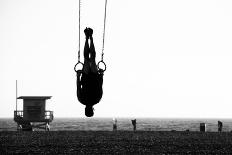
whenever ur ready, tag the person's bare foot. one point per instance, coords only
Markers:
(90, 32)
(86, 31)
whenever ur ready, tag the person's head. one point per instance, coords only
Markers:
(89, 111)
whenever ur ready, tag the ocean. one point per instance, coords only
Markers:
(145, 124)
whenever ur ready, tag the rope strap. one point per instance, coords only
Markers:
(79, 30)
(103, 41)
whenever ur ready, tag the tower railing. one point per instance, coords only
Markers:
(48, 116)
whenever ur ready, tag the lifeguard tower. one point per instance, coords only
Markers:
(34, 114)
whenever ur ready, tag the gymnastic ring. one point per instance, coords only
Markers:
(78, 64)
(98, 65)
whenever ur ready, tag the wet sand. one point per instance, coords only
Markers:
(119, 142)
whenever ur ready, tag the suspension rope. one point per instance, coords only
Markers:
(79, 62)
(103, 41)
(79, 30)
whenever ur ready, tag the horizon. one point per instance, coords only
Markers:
(157, 118)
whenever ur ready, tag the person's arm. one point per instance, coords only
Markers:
(79, 94)
(100, 75)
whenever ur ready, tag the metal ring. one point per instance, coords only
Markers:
(78, 64)
(103, 64)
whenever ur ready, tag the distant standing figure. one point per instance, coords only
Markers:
(220, 125)
(134, 124)
(114, 124)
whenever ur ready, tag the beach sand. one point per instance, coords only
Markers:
(119, 142)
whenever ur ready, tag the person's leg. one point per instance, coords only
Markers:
(92, 49)
(92, 53)
(86, 50)
(86, 67)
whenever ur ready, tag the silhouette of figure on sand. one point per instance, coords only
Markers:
(133, 121)
(220, 125)
(90, 78)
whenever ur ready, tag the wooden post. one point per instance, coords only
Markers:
(16, 96)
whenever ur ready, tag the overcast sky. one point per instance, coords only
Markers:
(165, 58)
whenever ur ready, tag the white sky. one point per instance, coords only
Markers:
(165, 58)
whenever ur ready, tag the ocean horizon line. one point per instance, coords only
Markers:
(123, 117)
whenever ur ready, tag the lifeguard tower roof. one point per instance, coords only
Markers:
(35, 97)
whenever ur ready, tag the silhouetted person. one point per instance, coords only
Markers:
(202, 127)
(114, 124)
(89, 79)
(220, 125)
(134, 124)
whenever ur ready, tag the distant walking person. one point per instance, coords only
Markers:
(134, 124)
(90, 78)
(114, 124)
(220, 125)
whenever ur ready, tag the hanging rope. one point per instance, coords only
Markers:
(79, 30)
(79, 57)
(103, 41)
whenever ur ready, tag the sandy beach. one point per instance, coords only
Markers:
(119, 142)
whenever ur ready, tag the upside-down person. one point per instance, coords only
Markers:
(90, 78)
